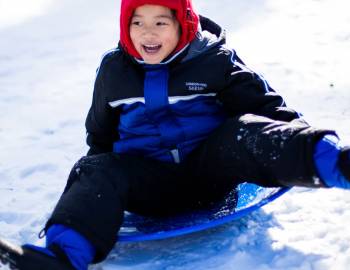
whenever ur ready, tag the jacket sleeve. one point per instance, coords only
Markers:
(247, 92)
(101, 122)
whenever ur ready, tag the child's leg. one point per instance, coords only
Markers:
(101, 187)
(260, 150)
(84, 225)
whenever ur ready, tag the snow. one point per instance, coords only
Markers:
(12, 15)
(49, 51)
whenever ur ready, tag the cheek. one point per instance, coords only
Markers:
(176, 36)
(134, 37)
(173, 39)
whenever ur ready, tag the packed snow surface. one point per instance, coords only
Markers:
(49, 51)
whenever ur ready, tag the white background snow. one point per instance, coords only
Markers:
(49, 51)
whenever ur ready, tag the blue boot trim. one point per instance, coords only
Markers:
(78, 249)
(326, 157)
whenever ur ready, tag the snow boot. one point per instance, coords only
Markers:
(344, 162)
(21, 258)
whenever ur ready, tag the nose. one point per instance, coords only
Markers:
(149, 31)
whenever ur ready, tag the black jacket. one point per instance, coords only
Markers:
(193, 93)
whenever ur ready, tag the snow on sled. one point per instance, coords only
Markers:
(243, 200)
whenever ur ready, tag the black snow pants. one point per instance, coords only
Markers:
(247, 148)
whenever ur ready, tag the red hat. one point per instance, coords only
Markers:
(185, 14)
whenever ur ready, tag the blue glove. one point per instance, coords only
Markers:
(326, 157)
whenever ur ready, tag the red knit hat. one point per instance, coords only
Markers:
(185, 14)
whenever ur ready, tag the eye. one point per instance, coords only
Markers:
(161, 23)
(136, 23)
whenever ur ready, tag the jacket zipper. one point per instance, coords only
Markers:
(175, 154)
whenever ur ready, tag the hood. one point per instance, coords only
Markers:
(185, 15)
(209, 35)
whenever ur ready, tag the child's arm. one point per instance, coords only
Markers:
(101, 122)
(247, 92)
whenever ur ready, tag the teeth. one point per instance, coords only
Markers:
(151, 46)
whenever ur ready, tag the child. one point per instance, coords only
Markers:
(177, 120)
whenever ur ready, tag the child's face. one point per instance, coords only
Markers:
(154, 32)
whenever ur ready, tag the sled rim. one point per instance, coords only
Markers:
(140, 237)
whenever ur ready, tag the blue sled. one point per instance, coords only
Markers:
(243, 200)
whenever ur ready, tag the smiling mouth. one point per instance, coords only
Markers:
(151, 49)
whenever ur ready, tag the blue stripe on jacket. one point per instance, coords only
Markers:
(167, 132)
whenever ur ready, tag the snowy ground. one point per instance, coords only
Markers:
(49, 51)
